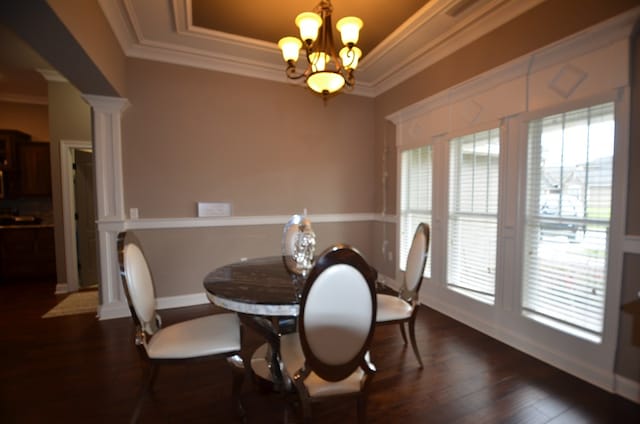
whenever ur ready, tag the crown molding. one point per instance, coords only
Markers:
(405, 53)
(400, 56)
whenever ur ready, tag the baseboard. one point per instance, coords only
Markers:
(62, 288)
(628, 389)
(113, 310)
(121, 309)
(181, 301)
(598, 377)
(389, 282)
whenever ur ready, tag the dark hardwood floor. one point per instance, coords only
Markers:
(77, 369)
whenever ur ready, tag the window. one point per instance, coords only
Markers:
(568, 208)
(473, 214)
(415, 198)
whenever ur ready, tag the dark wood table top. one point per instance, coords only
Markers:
(260, 286)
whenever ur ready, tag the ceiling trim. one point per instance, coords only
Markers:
(403, 54)
(400, 56)
(51, 75)
(24, 99)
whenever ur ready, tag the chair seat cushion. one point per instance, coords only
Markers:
(209, 335)
(392, 308)
(293, 358)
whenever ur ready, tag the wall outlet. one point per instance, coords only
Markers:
(390, 256)
(133, 213)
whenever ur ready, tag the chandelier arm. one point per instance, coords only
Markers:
(291, 73)
(349, 78)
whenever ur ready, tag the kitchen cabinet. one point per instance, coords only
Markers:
(25, 170)
(27, 252)
(9, 139)
(35, 169)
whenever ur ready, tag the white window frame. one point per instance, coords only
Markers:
(603, 352)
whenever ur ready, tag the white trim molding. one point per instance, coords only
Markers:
(632, 244)
(167, 34)
(235, 221)
(627, 388)
(112, 303)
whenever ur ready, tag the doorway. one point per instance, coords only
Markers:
(78, 198)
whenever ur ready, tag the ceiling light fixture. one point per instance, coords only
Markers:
(327, 72)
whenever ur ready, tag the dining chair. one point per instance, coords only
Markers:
(403, 308)
(217, 335)
(328, 356)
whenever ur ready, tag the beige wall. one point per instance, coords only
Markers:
(28, 118)
(267, 148)
(69, 119)
(181, 258)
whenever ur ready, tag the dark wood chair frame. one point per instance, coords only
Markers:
(338, 254)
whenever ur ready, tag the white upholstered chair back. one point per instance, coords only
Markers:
(336, 327)
(337, 314)
(417, 257)
(139, 284)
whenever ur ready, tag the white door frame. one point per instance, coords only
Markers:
(68, 212)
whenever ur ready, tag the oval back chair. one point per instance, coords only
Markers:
(403, 308)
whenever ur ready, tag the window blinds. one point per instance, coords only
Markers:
(568, 208)
(473, 214)
(415, 198)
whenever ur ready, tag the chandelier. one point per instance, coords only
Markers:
(326, 72)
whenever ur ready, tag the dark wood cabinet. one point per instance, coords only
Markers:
(27, 253)
(35, 169)
(9, 139)
(25, 170)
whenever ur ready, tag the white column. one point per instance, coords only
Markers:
(107, 150)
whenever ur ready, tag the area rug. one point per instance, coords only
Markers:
(82, 302)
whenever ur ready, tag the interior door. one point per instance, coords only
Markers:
(86, 230)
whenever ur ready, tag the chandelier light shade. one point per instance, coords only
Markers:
(326, 72)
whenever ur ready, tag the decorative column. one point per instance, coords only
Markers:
(107, 150)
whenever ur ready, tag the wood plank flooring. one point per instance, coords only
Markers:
(77, 369)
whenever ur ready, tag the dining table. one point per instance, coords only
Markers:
(266, 293)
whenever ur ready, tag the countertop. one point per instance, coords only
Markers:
(25, 226)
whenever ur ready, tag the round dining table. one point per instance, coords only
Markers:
(266, 293)
(259, 286)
